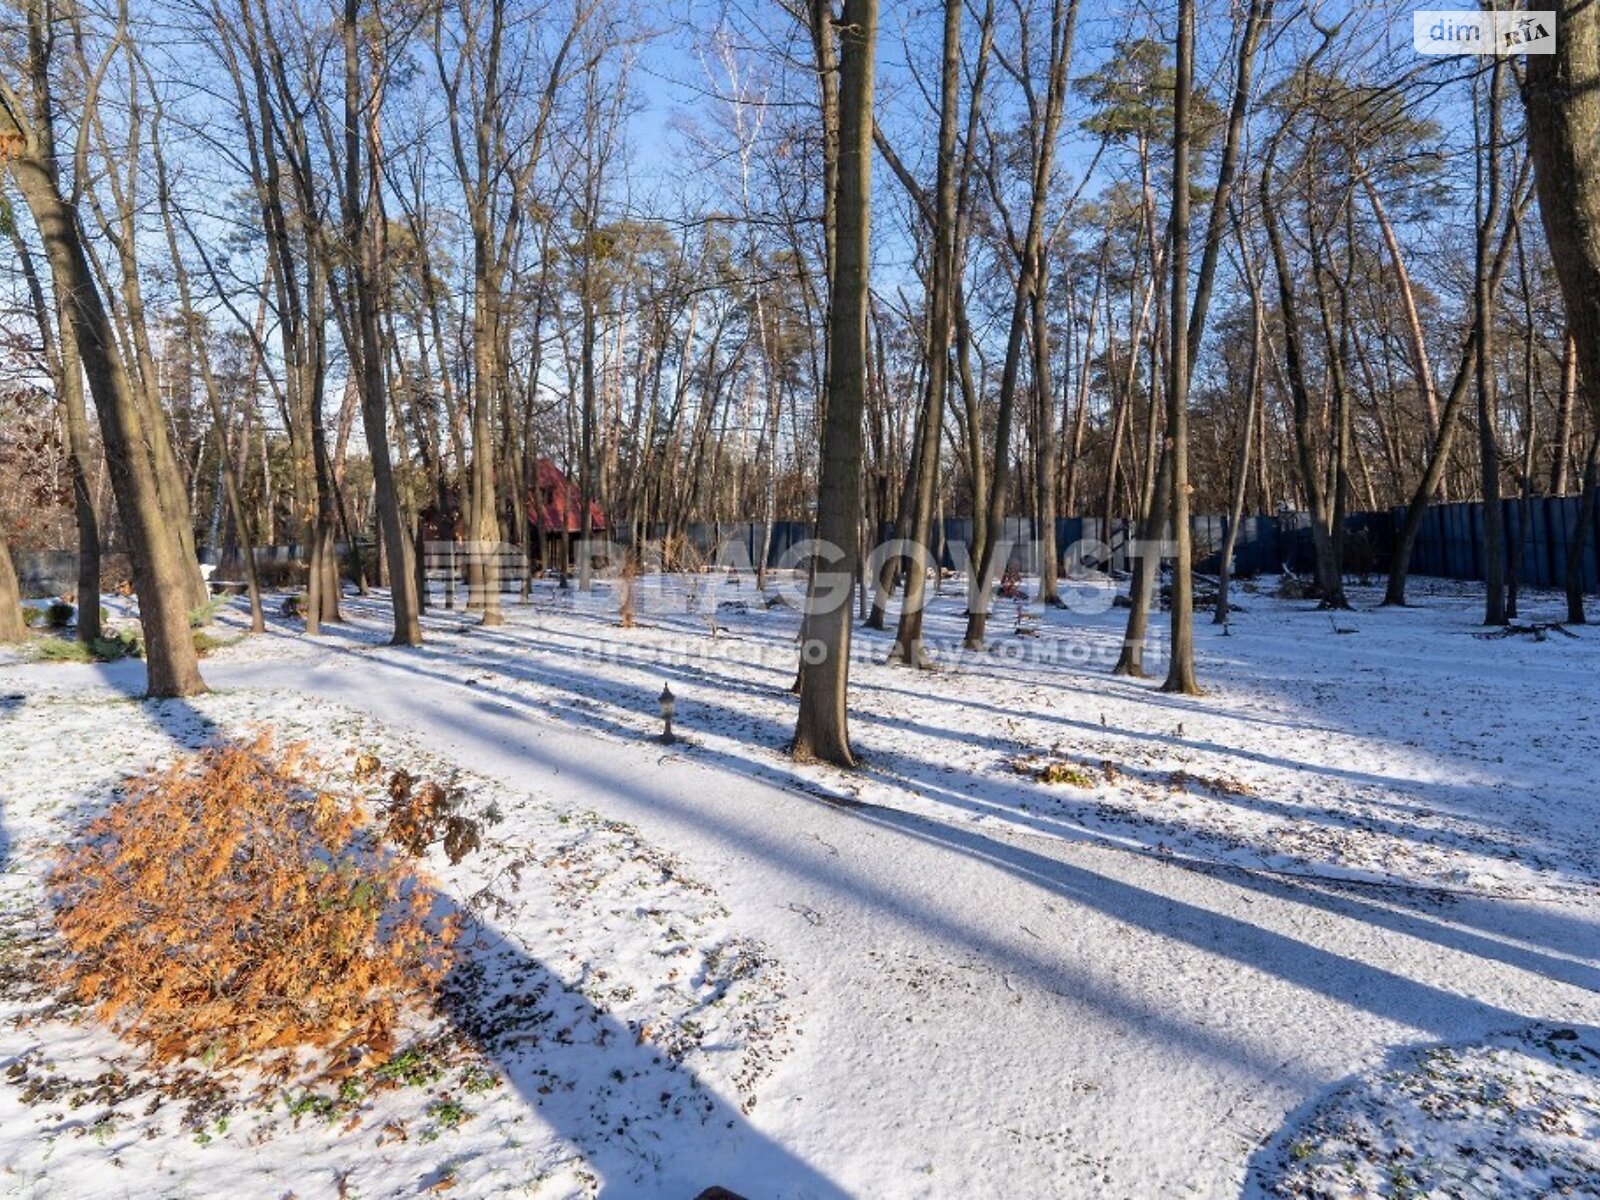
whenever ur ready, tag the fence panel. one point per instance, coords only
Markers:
(1449, 543)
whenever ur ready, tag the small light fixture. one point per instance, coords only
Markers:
(669, 703)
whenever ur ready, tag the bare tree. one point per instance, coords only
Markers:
(822, 727)
(1253, 389)
(1561, 92)
(908, 647)
(364, 225)
(27, 123)
(60, 344)
(1028, 247)
(1489, 200)
(198, 340)
(1180, 668)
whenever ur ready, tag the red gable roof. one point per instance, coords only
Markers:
(555, 505)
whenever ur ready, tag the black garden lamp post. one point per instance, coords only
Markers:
(668, 704)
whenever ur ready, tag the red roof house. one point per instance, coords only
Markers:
(555, 504)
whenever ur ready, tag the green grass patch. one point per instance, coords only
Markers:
(111, 648)
(205, 643)
(200, 617)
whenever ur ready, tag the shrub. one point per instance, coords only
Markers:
(224, 908)
(1055, 772)
(32, 616)
(200, 617)
(124, 644)
(421, 813)
(59, 614)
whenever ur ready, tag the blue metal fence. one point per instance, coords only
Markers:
(1449, 544)
(1265, 543)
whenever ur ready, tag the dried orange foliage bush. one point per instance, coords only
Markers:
(224, 907)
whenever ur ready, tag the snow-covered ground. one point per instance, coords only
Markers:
(1515, 1115)
(604, 984)
(1062, 934)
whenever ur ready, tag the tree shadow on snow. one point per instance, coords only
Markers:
(1489, 827)
(1514, 935)
(498, 719)
(643, 1122)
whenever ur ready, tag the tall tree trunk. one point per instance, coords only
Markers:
(12, 627)
(161, 579)
(88, 522)
(1329, 569)
(1118, 398)
(322, 571)
(821, 730)
(1180, 665)
(365, 220)
(1494, 562)
(1582, 533)
(1151, 504)
(1241, 466)
(589, 340)
(1449, 422)
(61, 347)
(1562, 95)
(1045, 446)
(1530, 435)
(972, 407)
(820, 24)
(1030, 264)
(908, 648)
(1335, 335)
(1080, 386)
(994, 512)
(123, 234)
(1561, 444)
(483, 523)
